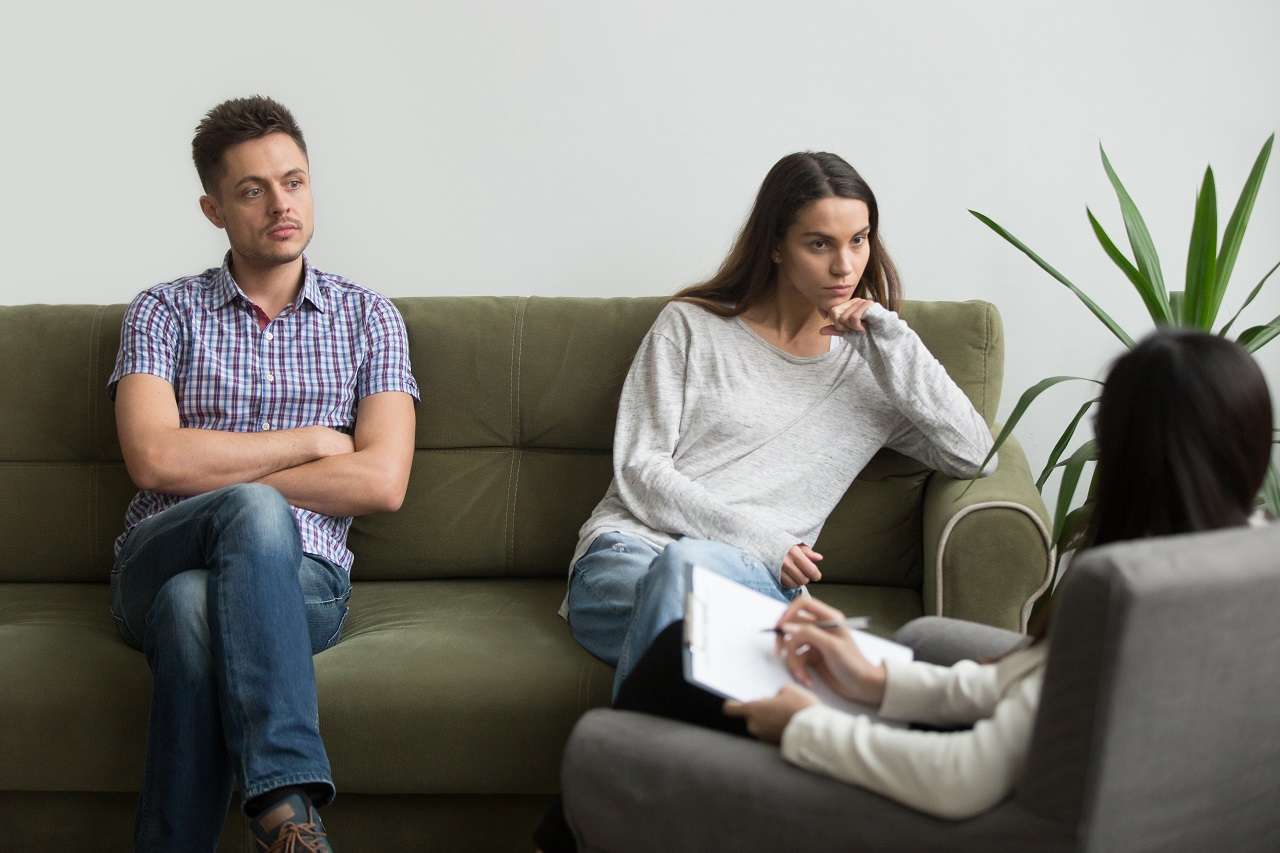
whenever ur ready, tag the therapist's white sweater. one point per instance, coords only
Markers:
(947, 774)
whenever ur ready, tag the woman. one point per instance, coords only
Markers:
(1184, 439)
(752, 404)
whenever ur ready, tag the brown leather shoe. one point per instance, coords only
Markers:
(290, 826)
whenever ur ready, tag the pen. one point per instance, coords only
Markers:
(851, 622)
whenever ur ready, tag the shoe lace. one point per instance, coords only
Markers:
(297, 838)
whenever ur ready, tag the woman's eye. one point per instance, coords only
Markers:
(859, 239)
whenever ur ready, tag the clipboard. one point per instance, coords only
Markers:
(727, 652)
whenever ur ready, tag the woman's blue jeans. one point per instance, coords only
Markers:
(228, 609)
(624, 592)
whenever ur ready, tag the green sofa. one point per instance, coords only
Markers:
(447, 704)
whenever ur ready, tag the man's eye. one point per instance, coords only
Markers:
(819, 244)
(252, 192)
(294, 184)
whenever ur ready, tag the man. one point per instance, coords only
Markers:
(259, 406)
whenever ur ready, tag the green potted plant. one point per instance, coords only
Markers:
(1208, 272)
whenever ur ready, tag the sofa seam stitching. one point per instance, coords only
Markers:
(94, 330)
(517, 363)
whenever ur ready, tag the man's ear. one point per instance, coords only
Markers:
(209, 208)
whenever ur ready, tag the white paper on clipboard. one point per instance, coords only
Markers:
(728, 652)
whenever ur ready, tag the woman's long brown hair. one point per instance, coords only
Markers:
(748, 274)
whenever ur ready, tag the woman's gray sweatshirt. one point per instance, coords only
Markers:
(723, 436)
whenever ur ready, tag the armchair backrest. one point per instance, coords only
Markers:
(1159, 724)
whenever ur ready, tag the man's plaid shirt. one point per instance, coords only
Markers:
(310, 366)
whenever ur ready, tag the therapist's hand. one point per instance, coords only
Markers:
(832, 653)
(768, 718)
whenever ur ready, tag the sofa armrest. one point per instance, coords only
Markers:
(989, 554)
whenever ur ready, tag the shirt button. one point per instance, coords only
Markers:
(268, 335)
(270, 377)
(266, 425)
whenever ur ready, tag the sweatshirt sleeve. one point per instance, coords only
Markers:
(946, 774)
(645, 475)
(939, 695)
(940, 427)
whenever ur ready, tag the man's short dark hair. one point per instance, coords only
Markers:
(235, 121)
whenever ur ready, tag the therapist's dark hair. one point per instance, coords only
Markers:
(748, 273)
(1184, 433)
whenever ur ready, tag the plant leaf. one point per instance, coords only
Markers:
(1252, 294)
(1061, 446)
(1157, 306)
(1234, 233)
(1083, 454)
(1092, 306)
(1077, 520)
(1271, 492)
(1202, 257)
(1019, 409)
(1144, 250)
(1256, 338)
(1177, 306)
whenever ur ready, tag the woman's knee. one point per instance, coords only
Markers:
(669, 573)
(681, 555)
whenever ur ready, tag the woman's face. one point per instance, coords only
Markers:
(825, 251)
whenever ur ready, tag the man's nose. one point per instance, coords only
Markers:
(278, 201)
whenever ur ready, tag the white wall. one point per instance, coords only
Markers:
(588, 148)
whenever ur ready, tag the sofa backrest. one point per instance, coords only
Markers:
(513, 440)
(1159, 727)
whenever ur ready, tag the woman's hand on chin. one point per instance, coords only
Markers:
(846, 317)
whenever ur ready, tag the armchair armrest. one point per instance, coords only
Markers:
(988, 555)
(633, 782)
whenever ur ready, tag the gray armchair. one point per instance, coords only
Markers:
(1159, 730)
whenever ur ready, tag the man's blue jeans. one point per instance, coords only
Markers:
(624, 592)
(228, 609)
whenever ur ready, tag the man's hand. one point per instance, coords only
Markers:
(373, 478)
(330, 442)
(847, 317)
(830, 652)
(800, 566)
(768, 718)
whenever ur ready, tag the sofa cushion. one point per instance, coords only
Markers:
(436, 687)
